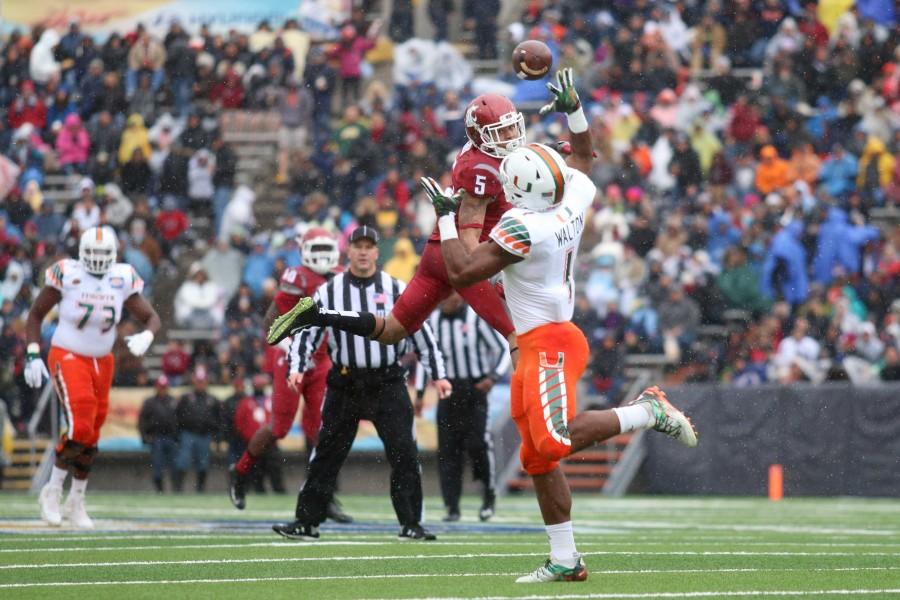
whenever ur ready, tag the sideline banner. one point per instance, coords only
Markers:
(102, 17)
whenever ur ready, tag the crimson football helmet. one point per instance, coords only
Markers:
(487, 118)
(319, 250)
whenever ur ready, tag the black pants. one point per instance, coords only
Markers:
(462, 429)
(381, 397)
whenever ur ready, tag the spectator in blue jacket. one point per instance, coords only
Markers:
(784, 270)
(838, 173)
(840, 245)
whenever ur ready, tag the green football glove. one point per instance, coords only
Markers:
(442, 203)
(565, 98)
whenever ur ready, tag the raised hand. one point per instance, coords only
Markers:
(443, 202)
(565, 98)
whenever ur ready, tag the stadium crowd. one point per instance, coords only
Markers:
(743, 147)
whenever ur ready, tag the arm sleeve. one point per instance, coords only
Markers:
(429, 353)
(493, 341)
(304, 345)
(512, 235)
(137, 284)
(421, 380)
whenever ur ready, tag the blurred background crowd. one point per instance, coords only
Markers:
(746, 230)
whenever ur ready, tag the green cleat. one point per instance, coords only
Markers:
(550, 572)
(299, 317)
(669, 420)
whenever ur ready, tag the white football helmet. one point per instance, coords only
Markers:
(534, 177)
(97, 249)
(319, 250)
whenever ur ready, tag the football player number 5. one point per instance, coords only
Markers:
(109, 322)
(479, 185)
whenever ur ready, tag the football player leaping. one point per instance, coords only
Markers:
(91, 293)
(494, 128)
(535, 246)
(320, 255)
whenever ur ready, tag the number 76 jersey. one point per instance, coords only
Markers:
(91, 306)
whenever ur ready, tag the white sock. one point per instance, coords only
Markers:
(58, 477)
(633, 417)
(78, 487)
(562, 544)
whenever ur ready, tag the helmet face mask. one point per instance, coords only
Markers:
(97, 250)
(494, 126)
(534, 177)
(319, 251)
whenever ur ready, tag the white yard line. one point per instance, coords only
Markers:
(144, 563)
(716, 594)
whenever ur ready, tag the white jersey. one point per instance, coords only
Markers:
(91, 306)
(540, 289)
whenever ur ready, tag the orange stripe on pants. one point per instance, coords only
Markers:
(83, 384)
(552, 359)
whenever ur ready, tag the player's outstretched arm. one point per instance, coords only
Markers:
(566, 100)
(464, 268)
(471, 218)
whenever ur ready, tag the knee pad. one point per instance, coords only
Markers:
(68, 450)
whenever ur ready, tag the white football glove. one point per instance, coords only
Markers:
(139, 343)
(35, 372)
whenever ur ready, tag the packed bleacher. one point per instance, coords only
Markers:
(746, 230)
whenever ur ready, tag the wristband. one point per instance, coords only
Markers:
(33, 350)
(577, 121)
(447, 227)
(471, 226)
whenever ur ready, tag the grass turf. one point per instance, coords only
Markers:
(189, 546)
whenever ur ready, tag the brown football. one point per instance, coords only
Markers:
(532, 59)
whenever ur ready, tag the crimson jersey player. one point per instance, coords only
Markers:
(494, 128)
(319, 255)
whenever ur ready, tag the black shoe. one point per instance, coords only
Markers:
(487, 505)
(452, 516)
(236, 488)
(415, 532)
(336, 513)
(300, 317)
(297, 531)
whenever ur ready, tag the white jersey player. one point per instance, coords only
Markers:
(92, 293)
(535, 246)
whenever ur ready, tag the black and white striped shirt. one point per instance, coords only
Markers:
(472, 349)
(375, 294)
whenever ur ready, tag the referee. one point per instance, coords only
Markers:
(476, 357)
(366, 381)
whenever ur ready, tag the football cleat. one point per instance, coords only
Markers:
(487, 505)
(415, 532)
(668, 419)
(550, 572)
(297, 531)
(75, 511)
(237, 488)
(299, 317)
(335, 512)
(49, 501)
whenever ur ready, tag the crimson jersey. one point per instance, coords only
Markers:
(479, 175)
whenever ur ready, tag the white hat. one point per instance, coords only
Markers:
(86, 183)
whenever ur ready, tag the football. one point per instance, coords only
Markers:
(532, 59)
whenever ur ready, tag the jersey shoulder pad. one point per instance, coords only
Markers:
(62, 272)
(512, 232)
(124, 277)
(477, 173)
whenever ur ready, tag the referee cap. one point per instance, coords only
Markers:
(364, 232)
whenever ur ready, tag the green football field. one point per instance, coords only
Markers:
(149, 546)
